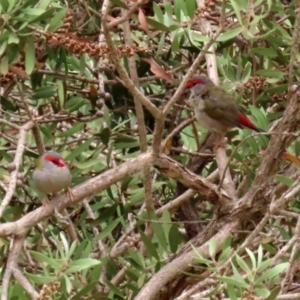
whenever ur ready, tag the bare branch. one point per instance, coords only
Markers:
(140, 117)
(23, 281)
(12, 264)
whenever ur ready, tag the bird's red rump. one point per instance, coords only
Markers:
(193, 82)
(56, 160)
(246, 122)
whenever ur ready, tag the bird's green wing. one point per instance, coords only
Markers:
(219, 105)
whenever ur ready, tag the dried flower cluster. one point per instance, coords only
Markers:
(79, 46)
(202, 12)
(256, 82)
(48, 290)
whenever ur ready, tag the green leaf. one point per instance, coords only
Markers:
(175, 238)
(61, 92)
(7, 105)
(231, 292)
(243, 265)
(229, 34)
(44, 4)
(224, 255)
(234, 282)
(82, 264)
(157, 25)
(179, 9)
(159, 233)
(236, 273)
(276, 89)
(274, 293)
(287, 181)
(271, 73)
(200, 258)
(108, 229)
(68, 284)
(57, 22)
(272, 272)
(265, 52)
(158, 13)
(42, 15)
(40, 279)
(13, 39)
(75, 129)
(64, 242)
(4, 65)
(237, 9)
(92, 163)
(80, 149)
(262, 292)
(258, 114)
(149, 246)
(263, 265)
(260, 254)
(213, 248)
(136, 258)
(83, 250)
(119, 3)
(161, 44)
(30, 56)
(252, 257)
(4, 35)
(175, 42)
(4, 4)
(12, 5)
(75, 103)
(114, 289)
(44, 92)
(105, 135)
(246, 72)
(45, 259)
(85, 290)
(191, 7)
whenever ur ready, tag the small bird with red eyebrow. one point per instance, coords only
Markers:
(52, 174)
(216, 110)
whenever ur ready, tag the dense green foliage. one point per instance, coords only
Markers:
(61, 90)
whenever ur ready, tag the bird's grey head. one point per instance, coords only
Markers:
(198, 83)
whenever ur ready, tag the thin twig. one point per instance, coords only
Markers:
(294, 52)
(129, 84)
(12, 263)
(17, 162)
(140, 117)
(125, 15)
(24, 282)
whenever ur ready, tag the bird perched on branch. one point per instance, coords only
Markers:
(216, 110)
(52, 174)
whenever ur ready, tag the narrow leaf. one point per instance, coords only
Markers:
(30, 56)
(158, 70)
(143, 20)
